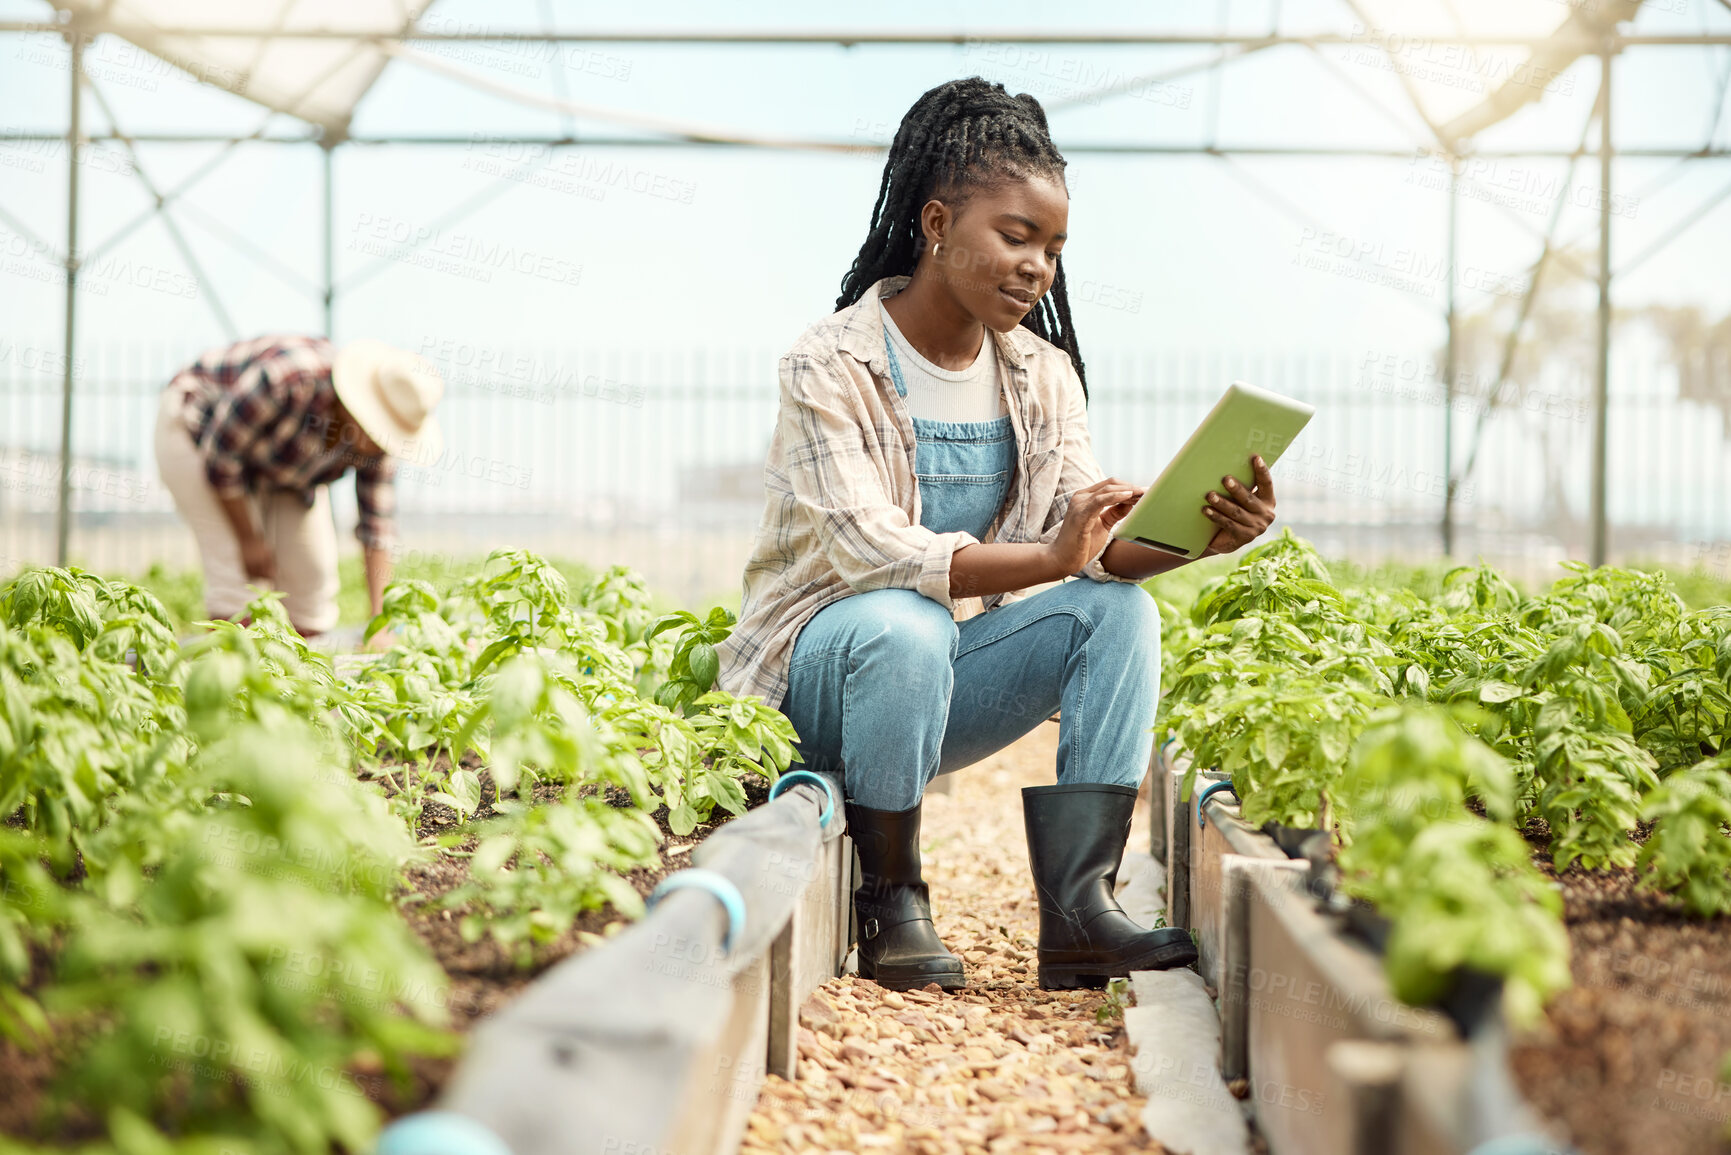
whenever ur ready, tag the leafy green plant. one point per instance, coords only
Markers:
(440, 571)
(1111, 1008)
(265, 672)
(619, 598)
(1460, 894)
(1478, 589)
(1284, 578)
(535, 679)
(78, 723)
(1276, 686)
(1588, 699)
(736, 737)
(31, 909)
(1688, 853)
(1458, 889)
(1283, 743)
(537, 867)
(181, 593)
(695, 664)
(1687, 715)
(1415, 765)
(1593, 780)
(536, 719)
(233, 991)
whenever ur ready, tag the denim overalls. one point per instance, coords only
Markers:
(964, 467)
(885, 684)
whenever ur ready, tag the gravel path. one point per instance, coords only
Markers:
(1000, 1066)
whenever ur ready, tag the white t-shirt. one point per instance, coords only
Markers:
(934, 394)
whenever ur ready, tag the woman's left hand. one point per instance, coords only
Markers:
(1243, 515)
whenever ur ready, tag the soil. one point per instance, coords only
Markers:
(482, 975)
(1629, 1060)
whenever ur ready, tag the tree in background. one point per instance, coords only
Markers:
(1700, 350)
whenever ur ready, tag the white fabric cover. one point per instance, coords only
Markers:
(319, 81)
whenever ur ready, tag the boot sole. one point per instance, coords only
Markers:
(1070, 976)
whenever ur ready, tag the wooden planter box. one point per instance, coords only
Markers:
(1336, 1065)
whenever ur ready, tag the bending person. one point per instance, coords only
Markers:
(931, 461)
(248, 440)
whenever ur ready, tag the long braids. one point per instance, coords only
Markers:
(961, 135)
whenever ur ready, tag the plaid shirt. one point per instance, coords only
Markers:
(842, 514)
(259, 412)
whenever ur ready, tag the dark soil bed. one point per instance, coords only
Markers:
(482, 976)
(1628, 1060)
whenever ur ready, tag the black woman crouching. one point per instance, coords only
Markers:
(930, 462)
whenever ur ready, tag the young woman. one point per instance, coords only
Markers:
(930, 462)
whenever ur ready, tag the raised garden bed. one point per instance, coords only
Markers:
(1585, 728)
(483, 974)
(1628, 1060)
(661, 1038)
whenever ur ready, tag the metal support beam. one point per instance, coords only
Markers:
(1450, 361)
(168, 222)
(1390, 51)
(1105, 149)
(1674, 232)
(74, 128)
(330, 226)
(837, 37)
(1512, 342)
(1599, 544)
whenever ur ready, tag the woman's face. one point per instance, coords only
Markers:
(998, 254)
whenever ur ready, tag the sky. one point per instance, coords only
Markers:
(733, 248)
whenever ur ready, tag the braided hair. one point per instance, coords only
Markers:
(960, 136)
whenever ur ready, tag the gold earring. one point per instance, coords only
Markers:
(936, 247)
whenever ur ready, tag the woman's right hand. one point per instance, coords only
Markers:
(1088, 523)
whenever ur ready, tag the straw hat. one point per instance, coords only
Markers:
(391, 393)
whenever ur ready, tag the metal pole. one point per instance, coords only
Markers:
(850, 37)
(330, 241)
(63, 509)
(1448, 516)
(1597, 548)
(1404, 155)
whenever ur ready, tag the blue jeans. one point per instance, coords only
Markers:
(889, 691)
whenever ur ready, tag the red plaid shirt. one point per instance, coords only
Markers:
(259, 412)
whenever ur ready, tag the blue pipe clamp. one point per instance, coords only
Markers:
(796, 777)
(1520, 1145)
(439, 1133)
(1212, 789)
(721, 886)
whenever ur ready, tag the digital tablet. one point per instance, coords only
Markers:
(1245, 421)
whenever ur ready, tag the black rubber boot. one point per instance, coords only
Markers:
(898, 946)
(1076, 837)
